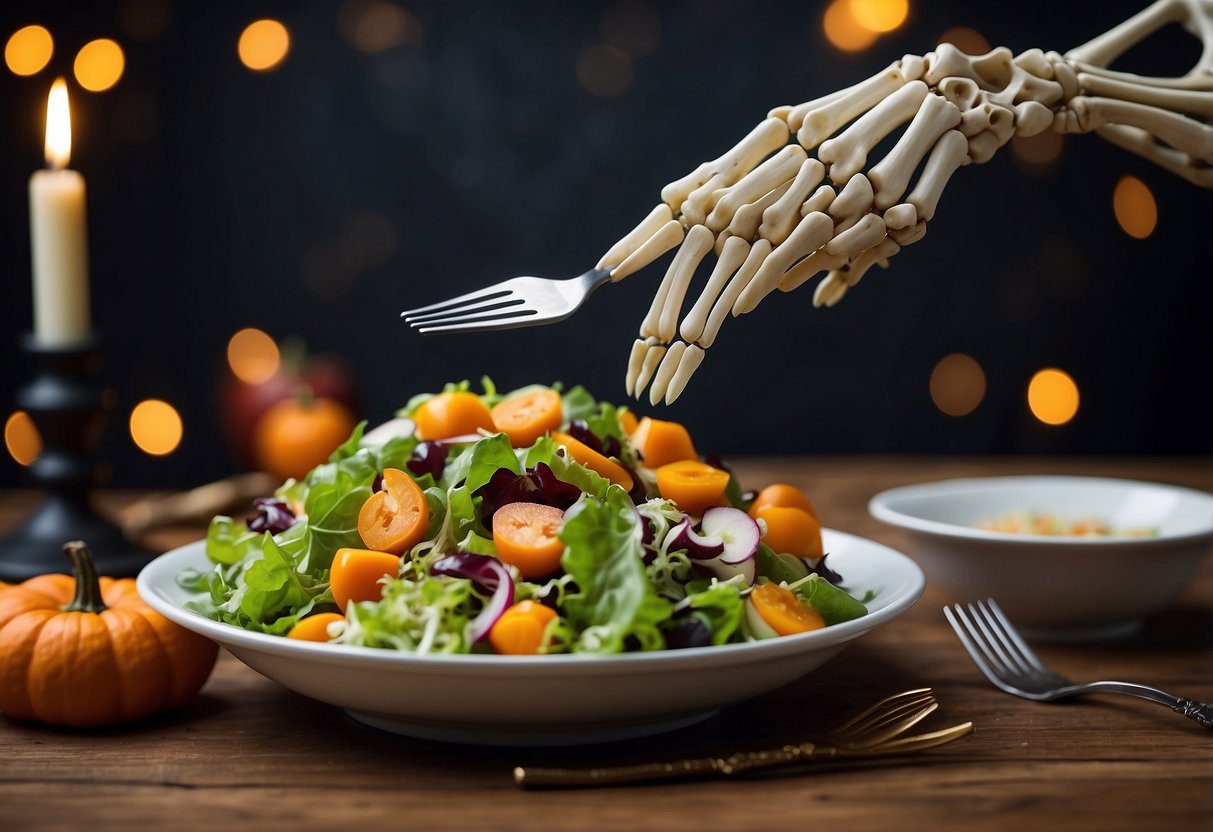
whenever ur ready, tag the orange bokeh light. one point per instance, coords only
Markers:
(21, 437)
(253, 356)
(28, 50)
(1053, 396)
(263, 44)
(958, 384)
(842, 30)
(99, 64)
(156, 427)
(1135, 208)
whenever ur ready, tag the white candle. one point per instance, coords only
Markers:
(59, 235)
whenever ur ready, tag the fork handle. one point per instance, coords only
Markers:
(730, 766)
(1202, 712)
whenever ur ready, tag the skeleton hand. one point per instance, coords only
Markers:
(775, 216)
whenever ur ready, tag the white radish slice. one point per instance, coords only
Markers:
(736, 529)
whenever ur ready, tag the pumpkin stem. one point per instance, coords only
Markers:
(305, 396)
(88, 585)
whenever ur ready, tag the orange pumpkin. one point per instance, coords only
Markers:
(87, 652)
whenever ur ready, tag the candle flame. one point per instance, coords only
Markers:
(58, 126)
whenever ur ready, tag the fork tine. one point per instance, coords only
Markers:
(972, 642)
(1028, 654)
(471, 297)
(883, 724)
(516, 311)
(879, 707)
(931, 739)
(503, 301)
(1007, 647)
(488, 323)
(992, 643)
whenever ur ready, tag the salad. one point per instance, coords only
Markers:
(533, 522)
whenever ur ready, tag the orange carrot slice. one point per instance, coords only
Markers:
(357, 575)
(783, 612)
(791, 531)
(693, 485)
(595, 461)
(528, 416)
(452, 414)
(628, 421)
(315, 627)
(394, 519)
(525, 536)
(519, 631)
(782, 494)
(660, 443)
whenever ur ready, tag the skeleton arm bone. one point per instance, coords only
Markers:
(763, 207)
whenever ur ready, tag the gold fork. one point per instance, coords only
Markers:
(874, 732)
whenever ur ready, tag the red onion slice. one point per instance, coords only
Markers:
(490, 576)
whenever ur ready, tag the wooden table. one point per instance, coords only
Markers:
(248, 754)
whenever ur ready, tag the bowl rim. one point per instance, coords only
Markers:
(168, 564)
(880, 507)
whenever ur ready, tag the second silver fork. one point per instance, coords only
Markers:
(1004, 658)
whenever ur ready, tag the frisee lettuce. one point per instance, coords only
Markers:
(614, 604)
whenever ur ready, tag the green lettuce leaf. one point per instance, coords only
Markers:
(350, 446)
(229, 542)
(833, 604)
(720, 608)
(614, 600)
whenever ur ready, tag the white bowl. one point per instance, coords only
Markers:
(1061, 588)
(546, 700)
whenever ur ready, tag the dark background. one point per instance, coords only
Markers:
(321, 198)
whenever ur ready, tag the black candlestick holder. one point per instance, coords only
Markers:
(68, 405)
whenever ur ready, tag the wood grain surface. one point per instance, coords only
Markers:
(248, 754)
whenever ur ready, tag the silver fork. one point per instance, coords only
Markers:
(510, 304)
(1000, 653)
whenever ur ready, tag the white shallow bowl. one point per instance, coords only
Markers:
(546, 700)
(1060, 588)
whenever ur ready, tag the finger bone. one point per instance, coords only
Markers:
(847, 152)
(818, 261)
(911, 67)
(724, 304)
(691, 359)
(852, 202)
(822, 122)
(662, 319)
(860, 263)
(892, 174)
(767, 137)
(695, 209)
(866, 233)
(652, 359)
(748, 217)
(665, 372)
(780, 168)
(635, 238)
(732, 256)
(821, 200)
(949, 154)
(810, 234)
(639, 348)
(780, 218)
(668, 236)
(900, 216)
(829, 291)
(908, 236)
